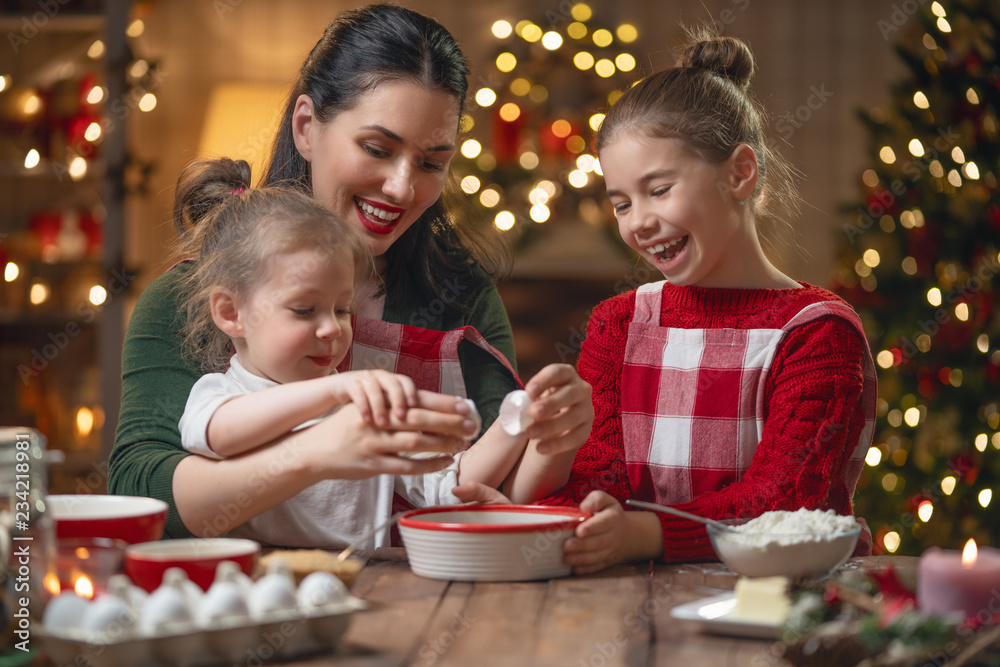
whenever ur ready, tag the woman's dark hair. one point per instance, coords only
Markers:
(361, 49)
(705, 102)
(232, 230)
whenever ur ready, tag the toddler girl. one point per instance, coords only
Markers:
(269, 320)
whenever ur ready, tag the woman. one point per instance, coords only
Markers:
(369, 129)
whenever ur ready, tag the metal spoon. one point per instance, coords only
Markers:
(343, 555)
(684, 515)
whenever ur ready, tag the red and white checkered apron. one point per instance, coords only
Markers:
(427, 356)
(692, 400)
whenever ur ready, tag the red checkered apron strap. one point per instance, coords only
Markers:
(428, 357)
(869, 390)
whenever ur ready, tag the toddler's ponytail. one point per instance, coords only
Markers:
(205, 186)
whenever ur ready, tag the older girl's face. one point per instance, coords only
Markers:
(383, 162)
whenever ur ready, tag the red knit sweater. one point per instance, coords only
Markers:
(812, 399)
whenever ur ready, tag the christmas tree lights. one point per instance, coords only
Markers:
(920, 261)
(533, 119)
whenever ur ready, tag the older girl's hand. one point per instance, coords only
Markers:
(612, 535)
(598, 541)
(562, 409)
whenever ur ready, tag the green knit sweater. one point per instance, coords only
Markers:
(157, 378)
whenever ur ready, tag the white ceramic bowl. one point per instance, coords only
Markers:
(489, 542)
(801, 555)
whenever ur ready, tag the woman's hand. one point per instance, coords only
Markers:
(612, 535)
(341, 446)
(375, 393)
(345, 446)
(562, 409)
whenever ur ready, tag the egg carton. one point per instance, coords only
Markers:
(277, 636)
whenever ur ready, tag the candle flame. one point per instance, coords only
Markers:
(83, 587)
(969, 553)
(51, 583)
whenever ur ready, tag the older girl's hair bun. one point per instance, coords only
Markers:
(727, 56)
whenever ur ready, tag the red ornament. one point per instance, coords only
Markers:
(973, 64)
(76, 131)
(994, 212)
(965, 468)
(91, 228)
(896, 597)
(507, 137)
(880, 202)
(44, 226)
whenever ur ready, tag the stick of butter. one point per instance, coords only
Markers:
(763, 599)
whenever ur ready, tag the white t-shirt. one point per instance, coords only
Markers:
(328, 515)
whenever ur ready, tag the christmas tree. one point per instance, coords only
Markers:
(529, 161)
(920, 261)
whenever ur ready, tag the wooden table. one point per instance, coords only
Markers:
(620, 616)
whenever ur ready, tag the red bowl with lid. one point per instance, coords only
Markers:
(131, 519)
(489, 542)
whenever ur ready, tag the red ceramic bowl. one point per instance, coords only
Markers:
(129, 518)
(197, 556)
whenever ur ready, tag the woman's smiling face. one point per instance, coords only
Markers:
(384, 161)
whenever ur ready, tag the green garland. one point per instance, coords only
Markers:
(872, 620)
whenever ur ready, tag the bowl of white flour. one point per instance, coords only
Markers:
(804, 544)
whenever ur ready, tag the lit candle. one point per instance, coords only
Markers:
(967, 582)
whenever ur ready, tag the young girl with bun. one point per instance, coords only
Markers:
(728, 389)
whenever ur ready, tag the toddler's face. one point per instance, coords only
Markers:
(297, 323)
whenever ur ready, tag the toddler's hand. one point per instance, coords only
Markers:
(376, 393)
(474, 493)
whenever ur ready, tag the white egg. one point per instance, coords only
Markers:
(192, 591)
(228, 570)
(64, 611)
(108, 618)
(474, 415)
(167, 608)
(224, 601)
(274, 592)
(319, 589)
(514, 416)
(122, 587)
